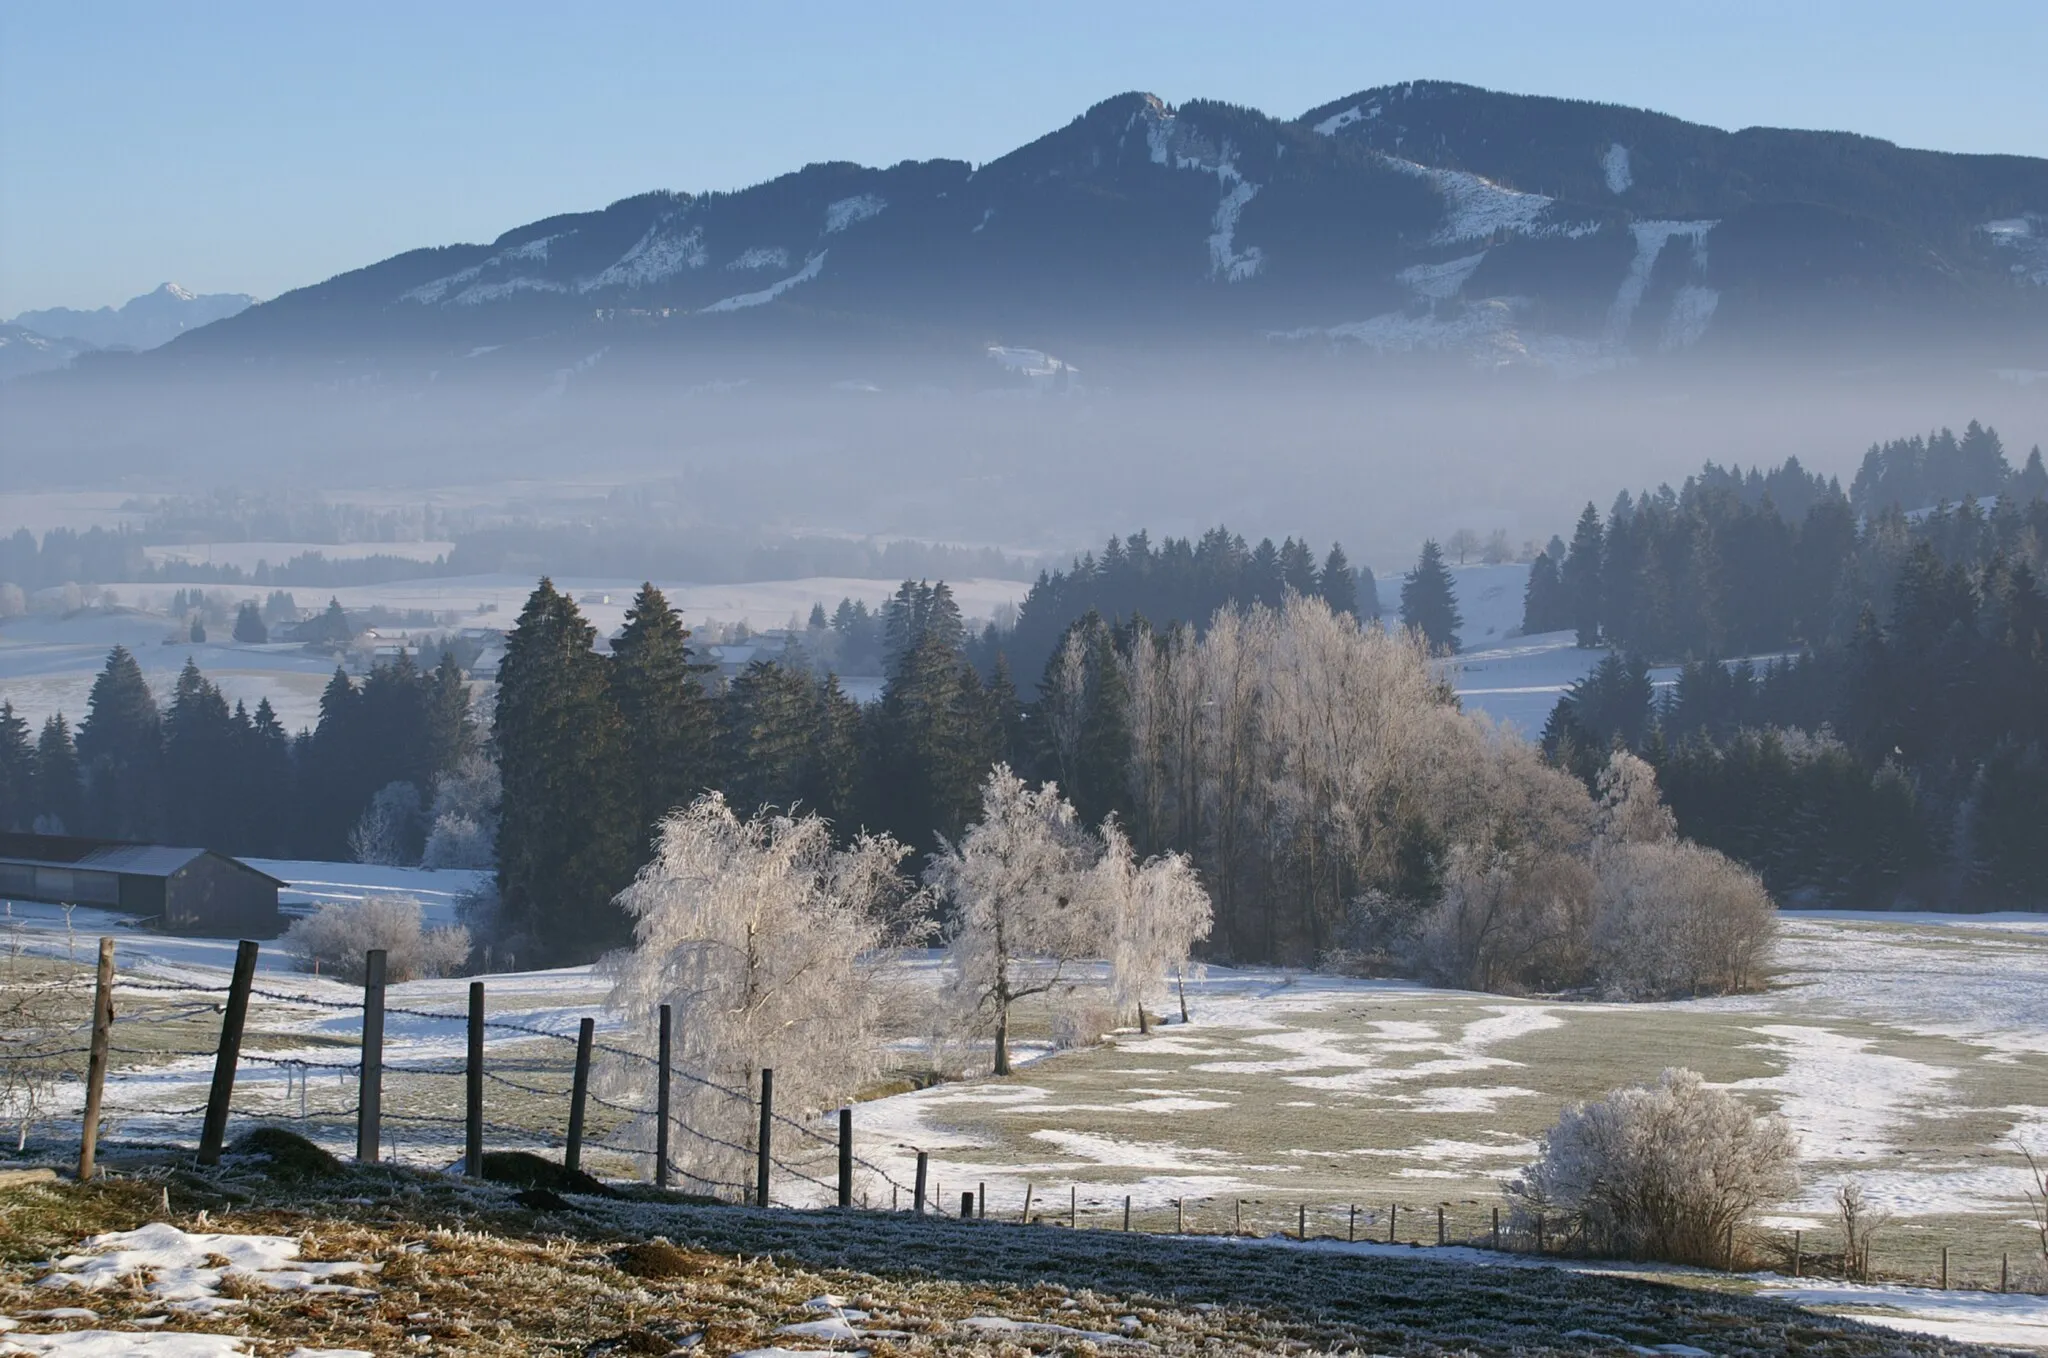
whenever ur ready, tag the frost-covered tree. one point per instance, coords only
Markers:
(463, 830)
(763, 937)
(1631, 811)
(389, 828)
(1674, 920)
(1667, 1171)
(1148, 917)
(334, 939)
(1014, 882)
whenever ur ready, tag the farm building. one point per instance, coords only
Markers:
(185, 891)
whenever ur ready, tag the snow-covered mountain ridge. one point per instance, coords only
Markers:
(1426, 218)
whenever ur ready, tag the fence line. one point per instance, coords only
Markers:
(1467, 1223)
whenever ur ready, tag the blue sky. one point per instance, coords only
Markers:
(259, 147)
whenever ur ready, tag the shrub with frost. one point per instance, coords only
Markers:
(388, 831)
(463, 822)
(1669, 1171)
(765, 938)
(1674, 920)
(334, 939)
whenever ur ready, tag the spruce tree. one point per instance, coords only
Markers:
(669, 721)
(199, 746)
(1580, 574)
(1543, 602)
(450, 735)
(2030, 483)
(1298, 568)
(249, 627)
(17, 771)
(1429, 604)
(1339, 587)
(120, 753)
(59, 794)
(267, 760)
(568, 833)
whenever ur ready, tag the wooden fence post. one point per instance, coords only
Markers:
(981, 1200)
(1127, 1211)
(1944, 1268)
(1393, 1212)
(473, 1092)
(1496, 1228)
(1180, 1217)
(214, 1131)
(96, 1062)
(1440, 1225)
(967, 1204)
(370, 1072)
(1238, 1226)
(1351, 1230)
(1301, 1225)
(846, 1157)
(1073, 1207)
(2004, 1257)
(1798, 1253)
(579, 1094)
(763, 1145)
(924, 1165)
(662, 1043)
(1024, 1219)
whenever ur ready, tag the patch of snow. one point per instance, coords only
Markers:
(1029, 362)
(1002, 1325)
(126, 1344)
(427, 293)
(656, 256)
(1614, 165)
(1476, 208)
(483, 349)
(810, 270)
(1651, 238)
(848, 211)
(1337, 122)
(1844, 1099)
(1488, 332)
(2004, 1319)
(1691, 309)
(761, 257)
(1441, 282)
(186, 1270)
(1225, 261)
(2026, 236)
(987, 216)
(478, 293)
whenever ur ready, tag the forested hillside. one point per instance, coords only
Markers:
(1888, 737)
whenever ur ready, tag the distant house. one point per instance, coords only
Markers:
(186, 891)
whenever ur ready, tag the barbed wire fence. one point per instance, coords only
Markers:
(533, 1091)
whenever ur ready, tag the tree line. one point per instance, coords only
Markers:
(1905, 758)
(1738, 564)
(197, 771)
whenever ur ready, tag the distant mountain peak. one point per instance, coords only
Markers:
(139, 323)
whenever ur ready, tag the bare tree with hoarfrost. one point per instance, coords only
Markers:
(1632, 811)
(1149, 917)
(463, 829)
(1014, 880)
(764, 938)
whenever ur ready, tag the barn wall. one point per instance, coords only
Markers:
(220, 898)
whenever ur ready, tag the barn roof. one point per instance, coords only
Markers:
(107, 855)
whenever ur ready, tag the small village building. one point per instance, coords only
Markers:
(185, 891)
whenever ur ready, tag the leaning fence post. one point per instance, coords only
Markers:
(215, 1129)
(661, 1100)
(763, 1145)
(370, 1072)
(473, 1100)
(96, 1063)
(924, 1165)
(1024, 1218)
(579, 1094)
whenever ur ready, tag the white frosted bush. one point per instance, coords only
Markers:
(1675, 920)
(334, 938)
(1667, 1171)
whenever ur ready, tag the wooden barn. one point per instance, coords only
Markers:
(185, 891)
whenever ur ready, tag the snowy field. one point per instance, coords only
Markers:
(1910, 1052)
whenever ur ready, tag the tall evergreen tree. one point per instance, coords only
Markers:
(1544, 606)
(1429, 604)
(120, 752)
(250, 629)
(568, 839)
(17, 771)
(59, 794)
(199, 764)
(1339, 587)
(1580, 576)
(668, 715)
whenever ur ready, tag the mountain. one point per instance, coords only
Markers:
(141, 322)
(23, 351)
(1510, 231)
